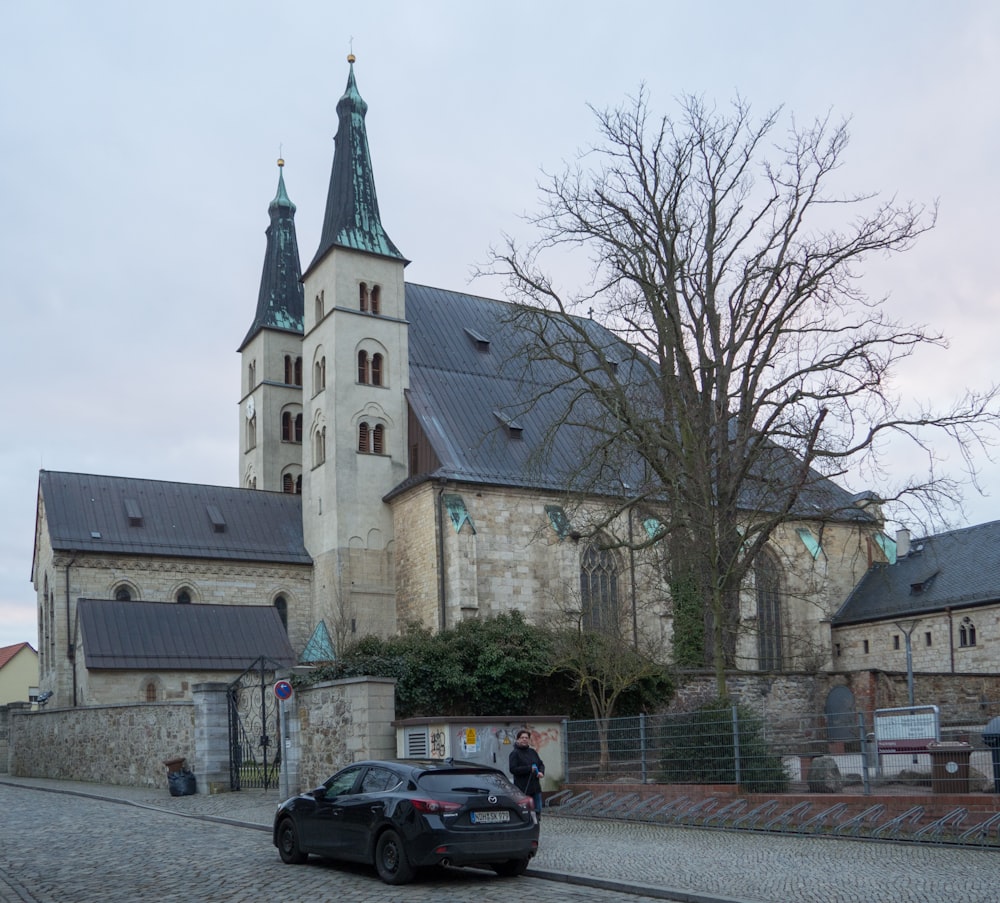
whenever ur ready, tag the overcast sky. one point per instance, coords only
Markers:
(138, 145)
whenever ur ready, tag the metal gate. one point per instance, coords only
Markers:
(254, 728)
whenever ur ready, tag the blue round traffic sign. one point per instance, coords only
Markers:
(283, 689)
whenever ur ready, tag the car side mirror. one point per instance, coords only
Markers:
(319, 793)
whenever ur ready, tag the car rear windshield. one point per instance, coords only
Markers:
(465, 782)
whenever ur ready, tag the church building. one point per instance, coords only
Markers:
(390, 473)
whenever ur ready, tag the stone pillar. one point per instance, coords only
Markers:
(211, 737)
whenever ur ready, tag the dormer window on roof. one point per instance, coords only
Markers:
(215, 516)
(133, 512)
(481, 342)
(514, 429)
(919, 586)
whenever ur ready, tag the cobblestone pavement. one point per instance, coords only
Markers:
(213, 850)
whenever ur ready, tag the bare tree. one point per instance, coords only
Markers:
(748, 367)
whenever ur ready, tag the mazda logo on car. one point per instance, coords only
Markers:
(492, 799)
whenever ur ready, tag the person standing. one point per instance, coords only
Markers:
(527, 769)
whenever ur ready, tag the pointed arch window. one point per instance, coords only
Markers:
(252, 375)
(252, 433)
(183, 596)
(123, 594)
(319, 305)
(281, 605)
(767, 580)
(599, 589)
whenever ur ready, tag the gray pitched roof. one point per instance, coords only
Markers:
(488, 410)
(957, 569)
(126, 516)
(166, 636)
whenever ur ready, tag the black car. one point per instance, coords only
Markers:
(404, 814)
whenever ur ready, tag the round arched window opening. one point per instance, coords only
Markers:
(123, 594)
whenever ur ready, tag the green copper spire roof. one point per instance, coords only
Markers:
(280, 303)
(352, 217)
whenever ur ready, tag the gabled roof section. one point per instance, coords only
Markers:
(89, 513)
(166, 636)
(490, 413)
(352, 219)
(7, 653)
(958, 569)
(280, 302)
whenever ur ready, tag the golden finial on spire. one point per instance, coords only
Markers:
(281, 156)
(350, 52)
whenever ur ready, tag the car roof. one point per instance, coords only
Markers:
(429, 765)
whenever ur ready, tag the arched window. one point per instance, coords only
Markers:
(282, 606)
(252, 375)
(362, 366)
(376, 369)
(363, 438)
(376, 300)
(363, 297)
(286, 426)
(378, 439)
(298, 428)
(184, 596)
(150, 691)
(966, 632)
(297, 375)
(123, 594)
(288, 484)
(599, 589)
(319, 446)
(767, 578)
(252, 432)
(319, 375)
(289, 370)
(319, 305)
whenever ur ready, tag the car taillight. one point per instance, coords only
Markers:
(435, 806)
(526, 802)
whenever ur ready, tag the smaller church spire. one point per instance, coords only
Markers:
(281, 300)
(352, 217)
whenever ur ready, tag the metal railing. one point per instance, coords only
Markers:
(729, 751)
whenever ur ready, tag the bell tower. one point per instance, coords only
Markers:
(355, 352)
(271, 416)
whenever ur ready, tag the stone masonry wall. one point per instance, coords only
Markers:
(344, 721)
(118, 744)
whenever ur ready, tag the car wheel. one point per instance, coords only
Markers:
(390, 859)
(288, 843)
(510, 868)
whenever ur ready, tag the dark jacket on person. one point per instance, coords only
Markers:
(519, 765)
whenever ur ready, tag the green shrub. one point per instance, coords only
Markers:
(699, 748)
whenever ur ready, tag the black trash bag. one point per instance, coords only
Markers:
(182, 783)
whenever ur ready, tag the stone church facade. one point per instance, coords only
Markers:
(389, 475)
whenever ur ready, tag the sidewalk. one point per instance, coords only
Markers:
(693, 865)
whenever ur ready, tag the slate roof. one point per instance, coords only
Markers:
(958, 569)
(471, 382)
(167, 636)
(128, 516)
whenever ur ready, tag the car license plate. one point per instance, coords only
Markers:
(490, 818)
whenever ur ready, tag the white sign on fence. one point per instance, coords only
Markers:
(908, 729)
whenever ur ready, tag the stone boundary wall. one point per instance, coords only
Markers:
(115, 744)
(344, 721)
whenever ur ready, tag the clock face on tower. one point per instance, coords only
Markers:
(250, 408)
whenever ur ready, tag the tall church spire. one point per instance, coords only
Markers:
(280, 303)
(352, 217)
